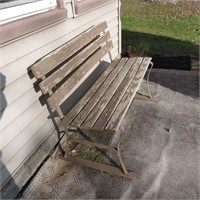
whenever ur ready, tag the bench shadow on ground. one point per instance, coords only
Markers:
(163, 58)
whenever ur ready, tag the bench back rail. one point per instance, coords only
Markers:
(58, 70)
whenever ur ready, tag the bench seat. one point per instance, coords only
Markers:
(103, 107)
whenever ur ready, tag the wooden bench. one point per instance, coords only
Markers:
(105, 104)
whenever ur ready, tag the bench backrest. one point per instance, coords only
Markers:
(66, 68)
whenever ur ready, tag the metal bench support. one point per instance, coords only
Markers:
(123, 172)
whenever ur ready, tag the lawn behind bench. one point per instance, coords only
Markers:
(164, 29)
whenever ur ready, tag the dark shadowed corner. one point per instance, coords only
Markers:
(8, 185)
(3, 102)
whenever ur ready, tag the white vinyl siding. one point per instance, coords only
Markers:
(24, 121)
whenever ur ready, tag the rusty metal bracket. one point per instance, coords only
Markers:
(149, 96)
(101, 167)
(119, 153)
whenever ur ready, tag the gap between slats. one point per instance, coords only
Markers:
(78, 77)
(67, 68)
(83, 101)
(103, 101)
(100, 92)
(61, 54)
(127, 99)
(118, 95)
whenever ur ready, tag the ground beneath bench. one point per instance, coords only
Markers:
(162, 146)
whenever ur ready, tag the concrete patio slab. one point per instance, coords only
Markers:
(162, 145)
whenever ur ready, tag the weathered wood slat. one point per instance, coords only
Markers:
(78, 77)
(123, 106)
(103, 88)
(107, 113)
(55, 58)
(83, 101)
(100, 106)
(67, 68)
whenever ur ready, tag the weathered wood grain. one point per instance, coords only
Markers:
(71, 65)
(77, 78)
(123, 106)
(55, 58)
(113, 103)
(102, 89)
(83, 101)
(103, 101)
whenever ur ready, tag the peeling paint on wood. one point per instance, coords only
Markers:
(76, 79)
(67, 68)
(101, 90)
(53, 59)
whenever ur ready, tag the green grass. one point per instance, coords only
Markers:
(164, 29)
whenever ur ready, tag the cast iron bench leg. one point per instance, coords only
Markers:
(149, 96)
(102, 167)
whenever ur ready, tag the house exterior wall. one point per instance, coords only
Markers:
(24, 121)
